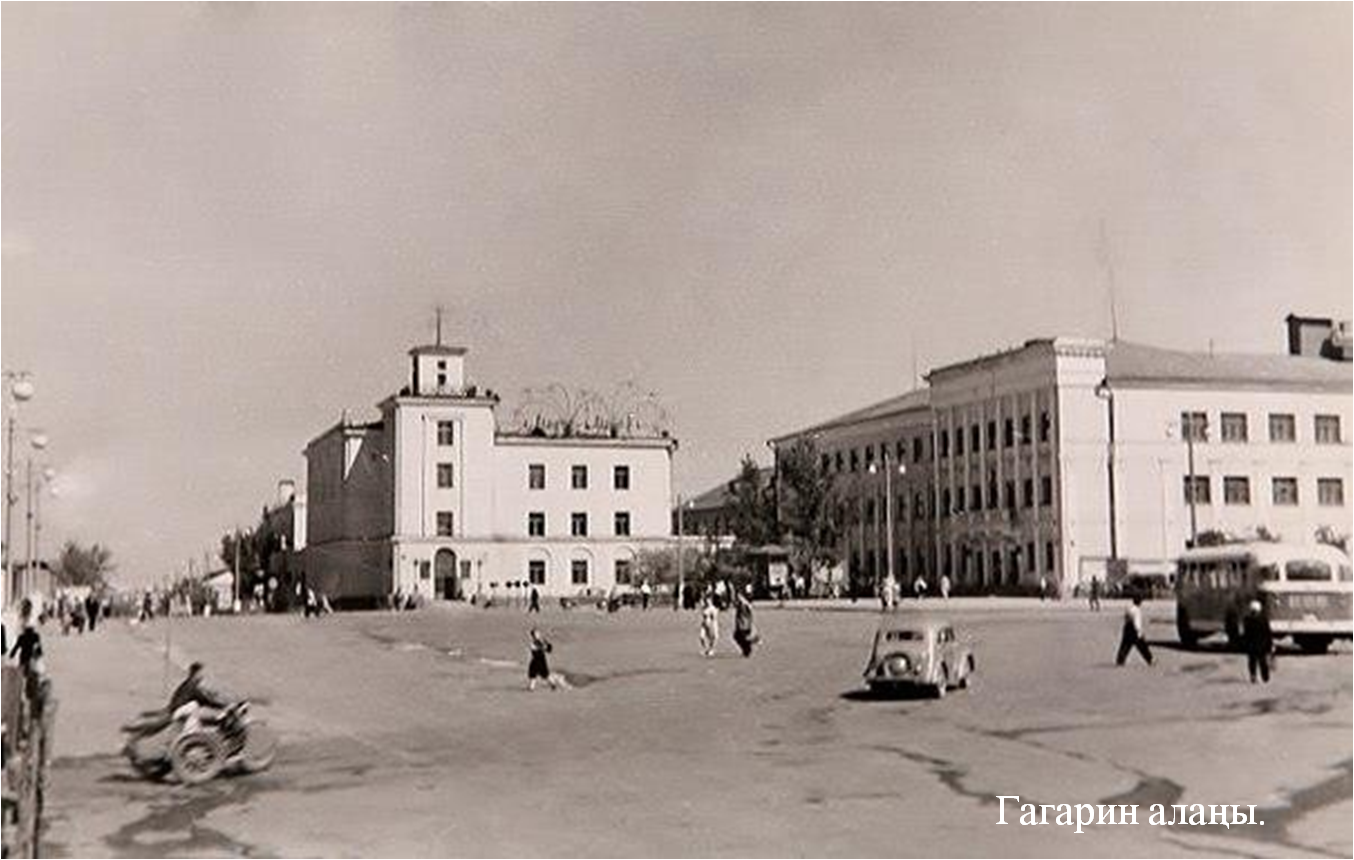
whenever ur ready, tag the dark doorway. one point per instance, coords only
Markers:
(444, 575)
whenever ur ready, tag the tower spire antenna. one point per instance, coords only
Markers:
(438, 312)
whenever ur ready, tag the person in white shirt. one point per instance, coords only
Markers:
(1132, 636)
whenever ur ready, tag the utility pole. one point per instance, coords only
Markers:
(235, 570)
(1193, 489)
(681, 567)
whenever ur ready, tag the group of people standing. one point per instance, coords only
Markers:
(745, 633)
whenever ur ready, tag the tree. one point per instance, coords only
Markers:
(753, 506)
(809, 512)
(84, 566)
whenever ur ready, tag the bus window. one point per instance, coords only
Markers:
(1269, 573)
(1308, 570)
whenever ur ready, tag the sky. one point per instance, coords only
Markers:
(224, 224)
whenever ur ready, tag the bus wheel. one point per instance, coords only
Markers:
(1188, 637)
(1312, 644)
(1232, 631)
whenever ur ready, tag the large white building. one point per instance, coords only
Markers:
(1064, 457)
(434, 498)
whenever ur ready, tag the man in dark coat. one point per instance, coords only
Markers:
(1259, 640)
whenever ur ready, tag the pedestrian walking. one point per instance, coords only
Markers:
(538, 667)
(645, 592)
(919, 587)
(534, 601)
(1095, 594)
(945, 586)
(709, 635)
(28, 647)
(1043, 588)
(1132, 634)
(1258, 637)
(92, 612)
(744, 633)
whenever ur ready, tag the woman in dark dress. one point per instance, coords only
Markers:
(538, 668)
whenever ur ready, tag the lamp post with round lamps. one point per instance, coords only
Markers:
(38, 441)
(20, 391)
(890, 581)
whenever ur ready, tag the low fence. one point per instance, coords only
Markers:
(29, 713)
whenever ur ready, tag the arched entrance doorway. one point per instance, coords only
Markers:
(448, 585)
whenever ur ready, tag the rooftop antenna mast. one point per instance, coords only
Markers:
(438, 312)
(1106, 255)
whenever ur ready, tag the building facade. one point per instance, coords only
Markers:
(434, 499)
(1068, 458)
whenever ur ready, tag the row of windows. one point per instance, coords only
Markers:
(578, 477)
(579, 571)
(1236, 490)
(1009, 436)
(972, 499)
(851, 459)
(1283, 427)
(578, 524)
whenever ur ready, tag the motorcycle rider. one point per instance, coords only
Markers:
(192, 702)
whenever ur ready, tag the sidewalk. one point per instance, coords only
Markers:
(992, 603)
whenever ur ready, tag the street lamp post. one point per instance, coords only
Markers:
(38, 443)
(890, 580)
(20, 391)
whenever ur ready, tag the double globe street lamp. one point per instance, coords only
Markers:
(890, 580)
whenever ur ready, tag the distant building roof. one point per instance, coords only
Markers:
(919, 398)
(1132, 363)
(438, 349)
(720, 496)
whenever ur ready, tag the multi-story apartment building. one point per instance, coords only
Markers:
(1065, 457)
(433, 498)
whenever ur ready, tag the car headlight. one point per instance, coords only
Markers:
(896, 664)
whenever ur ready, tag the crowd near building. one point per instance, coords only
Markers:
(435, 499)
(1067, 458)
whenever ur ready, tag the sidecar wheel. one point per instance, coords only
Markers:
(196, 757)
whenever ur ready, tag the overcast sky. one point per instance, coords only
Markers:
(223, 224)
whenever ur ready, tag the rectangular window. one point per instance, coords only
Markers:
(1045, 426)
(869, 455)
(1234, 427)
(975, 439)
(1194, 426)
(578, 477)
(1025, 437)
(579, 570)
(536, 476)
(1236, 490)
(1198, 490)
(578, 524)
(826, 463)
(991, 435)
(1285, 491)
(900, 451)
(536, 571)
(869, 511)
(622, 571)
(446, 524)
(1328, 429)
(1282, 427)
(1045, 491)
(1008, 433)
(622, 523)
(1330, 491)
(959, 441)
(1010, 495)
(944, 443)
(975, 498)
(901, 510)
(536, 524)
(838, 458)
(855, 460)
(992, 501)
(919, 507)
(620, 476)
(445, 475)
(446, 432)
(1030, 558)
(1027, 493)
(918, 450)
(1050, 558)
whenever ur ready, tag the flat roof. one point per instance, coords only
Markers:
(1137, 364)
(527, 439)
(438, 349)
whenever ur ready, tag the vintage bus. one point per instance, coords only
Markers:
(1306, 590)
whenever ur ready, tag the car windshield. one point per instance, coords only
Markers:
(904, 636)
(1308, 570)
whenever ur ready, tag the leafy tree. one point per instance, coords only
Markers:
(84, 566)
(809, 511)
(753, 506)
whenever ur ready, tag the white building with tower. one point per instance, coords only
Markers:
(434, 498)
